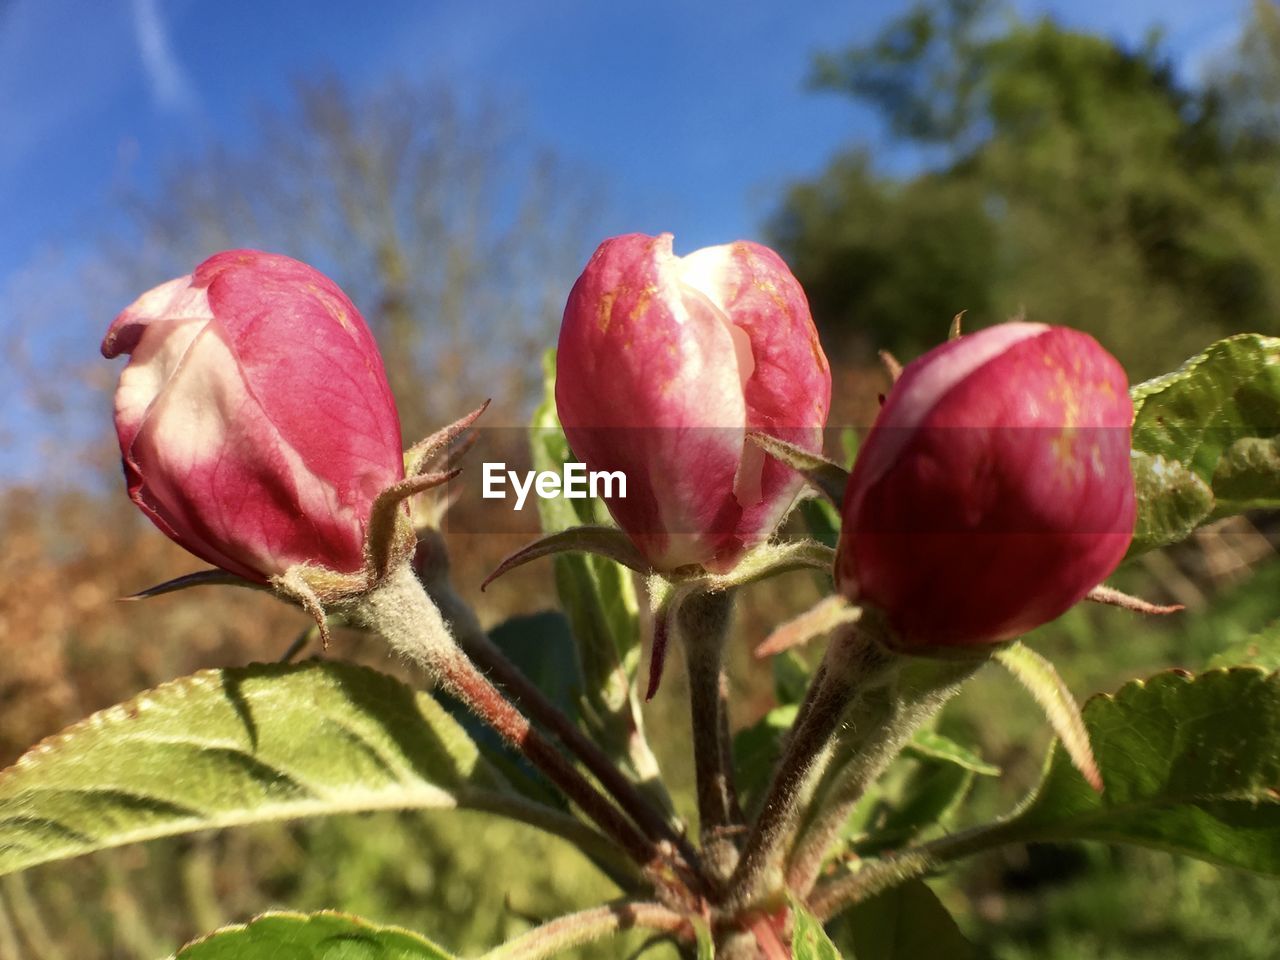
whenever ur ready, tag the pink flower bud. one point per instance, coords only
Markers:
(665, 364)
(994, 490)
(254, 416)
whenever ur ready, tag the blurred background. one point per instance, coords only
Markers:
(1111, 166)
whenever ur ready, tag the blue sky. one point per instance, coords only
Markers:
(691, 115)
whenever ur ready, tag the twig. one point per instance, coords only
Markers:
(703, 620)
(487, 655)
(400, 610)
(879, 727)
(877, 875)
(557, 936)
(847, 664)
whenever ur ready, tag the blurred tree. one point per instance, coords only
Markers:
(886, 262)
(455, 238)
(1245, 84)
(924, 72)
(1079, 181)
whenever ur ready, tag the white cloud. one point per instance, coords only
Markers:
(168, 81)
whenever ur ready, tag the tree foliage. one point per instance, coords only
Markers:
(455, 234)
(1066, 176)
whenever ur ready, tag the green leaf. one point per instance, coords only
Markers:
(598, 594)
(1190, 765)
(706, 946)
(822, 519)
(1260, 650)
(541, 646)
(1172, 502)
(849, 444)
(933, 745)
(1215, 420)
(808, 940)
(1246, 477)
(906, 922)
(925, 793)
(791, 676)
(297, 936)
(820, 515)
(923, 789)
(228, 747)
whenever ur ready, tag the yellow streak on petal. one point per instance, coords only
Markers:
(331, 306)
(642, 303)
(604, 310)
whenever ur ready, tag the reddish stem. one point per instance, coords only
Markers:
(401, 611)
(460, 677)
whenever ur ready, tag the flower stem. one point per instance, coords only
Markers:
(875, 876)
(850, 663)
(553, 938)
(878, 725)
(703, 620)
(489, 657)
(399, 609)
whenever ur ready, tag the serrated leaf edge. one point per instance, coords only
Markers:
(353, 919)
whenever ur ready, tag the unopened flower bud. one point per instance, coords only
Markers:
(994, 490)
(665, 364)
(254, 417)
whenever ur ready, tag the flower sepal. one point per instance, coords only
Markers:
(212, 577)
(825, 476)
(391, 538)
(667, 591)
(760, 563)
(667, 588)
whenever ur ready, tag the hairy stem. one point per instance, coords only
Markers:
(736, 815)
(875, 876)
(565, 933)
(487, 655)
(850, 663)
(879, 724)
(401, 612)
(703, 620)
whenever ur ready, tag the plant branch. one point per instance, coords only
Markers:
(703, 622)
(850, 662)
(736, 814)
(399, 609)
(875, 876)
(490, 658)
(575, 929)
(879, 724)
